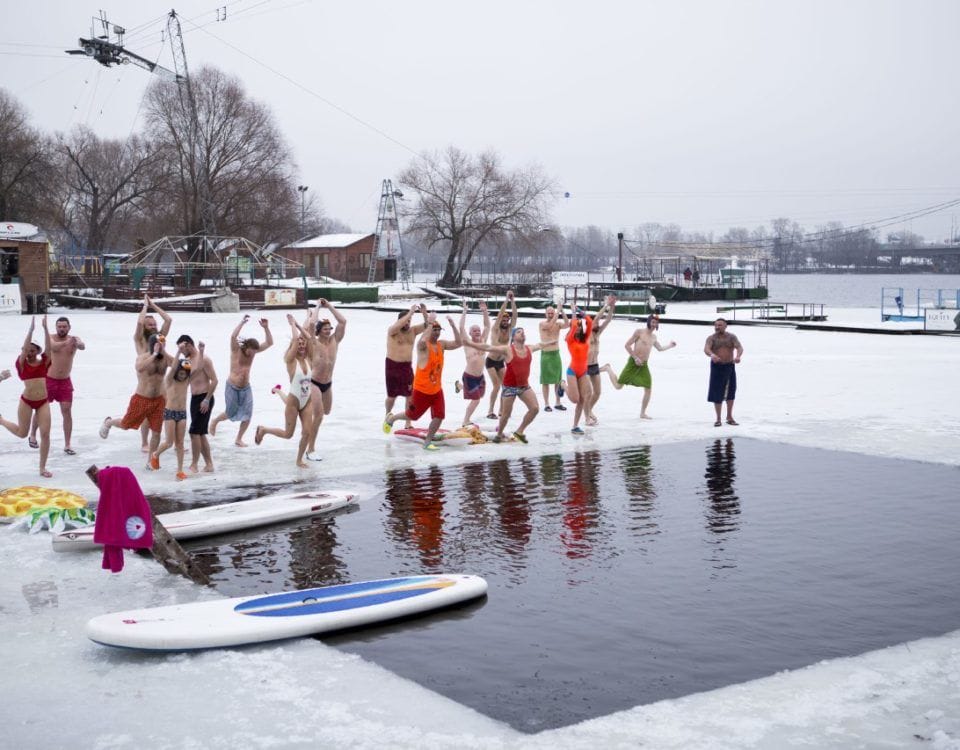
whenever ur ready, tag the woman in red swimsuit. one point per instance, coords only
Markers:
(32, 366)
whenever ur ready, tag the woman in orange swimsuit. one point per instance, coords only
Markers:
(32, 366)
(579, 389)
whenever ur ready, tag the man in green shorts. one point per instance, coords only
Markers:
(551, 368)
(636, 372)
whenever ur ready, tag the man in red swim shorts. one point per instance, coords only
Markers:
(427, 381)
(63, 348)
(148, 401)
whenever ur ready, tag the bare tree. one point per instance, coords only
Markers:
(103, 183)
(236, 156)
(24, 164)
(464, 201)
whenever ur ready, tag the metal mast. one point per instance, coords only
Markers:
(109, 52)
(387, 244)
(198, 158)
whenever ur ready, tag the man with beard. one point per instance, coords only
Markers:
(63, 347)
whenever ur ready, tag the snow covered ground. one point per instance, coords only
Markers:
(891, 396)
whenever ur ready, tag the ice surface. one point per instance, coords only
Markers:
(880, 395)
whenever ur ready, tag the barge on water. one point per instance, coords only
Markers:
(688, 279)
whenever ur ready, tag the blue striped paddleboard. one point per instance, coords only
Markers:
(292, 614)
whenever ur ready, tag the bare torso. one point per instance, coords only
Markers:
(200, 375)
(723, 346)
(400, 344)
(475, 358)
(62, 351)
(176, 393)
(240, 363)
(593, 353)
(499, 336)
(641, 343)
(150, 372)
(550, 335)
(324, 358)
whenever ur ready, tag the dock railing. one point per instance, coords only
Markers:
(773, 310)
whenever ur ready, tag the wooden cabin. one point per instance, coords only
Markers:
(24, 267)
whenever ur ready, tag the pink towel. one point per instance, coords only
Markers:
(123, 516)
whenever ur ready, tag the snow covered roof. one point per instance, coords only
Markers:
(330, 240)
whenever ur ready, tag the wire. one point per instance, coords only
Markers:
(312, 93)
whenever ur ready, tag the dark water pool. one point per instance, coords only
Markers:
(624, 577)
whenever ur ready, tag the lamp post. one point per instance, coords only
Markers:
(302, 189)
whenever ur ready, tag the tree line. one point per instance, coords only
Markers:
(97, 195)
(230, 167)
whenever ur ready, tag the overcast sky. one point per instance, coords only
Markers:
(708, 114)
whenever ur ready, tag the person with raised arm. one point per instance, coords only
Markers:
(500, 336)
(474, 384)
(516, 381)
(398, 366)
(297, 359)
(603, 319)
(63, 348)
(145, 328)
(203, 386)
(579, 388)
(326, 346)
(428, 380)
(176, 383)
(238, 395)
(33, 364)
(551, 368)
(148, 401)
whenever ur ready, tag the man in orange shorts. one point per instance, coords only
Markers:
(427, 380)
(147, 402)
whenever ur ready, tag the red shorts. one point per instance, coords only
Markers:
(399, 376)
(420, 402)
(140, 409)
(60, 389)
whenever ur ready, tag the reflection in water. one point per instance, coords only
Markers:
(314, 559)
(581, 509)
(415, 512)
(511, 488)
(723, 514)
(723, 511)
(637, 468)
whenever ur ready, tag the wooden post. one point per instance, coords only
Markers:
(166, 550)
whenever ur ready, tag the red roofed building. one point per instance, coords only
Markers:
(345, 257)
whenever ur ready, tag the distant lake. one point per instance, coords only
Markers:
(855, 290)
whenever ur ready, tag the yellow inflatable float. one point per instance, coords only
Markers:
(19, 501)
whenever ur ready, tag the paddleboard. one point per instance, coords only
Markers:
(444, 437)
(293, 614)
(219, 519)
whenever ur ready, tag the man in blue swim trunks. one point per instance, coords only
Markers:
(724, 350)
(237, 392)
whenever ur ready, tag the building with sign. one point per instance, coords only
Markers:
(24, 267)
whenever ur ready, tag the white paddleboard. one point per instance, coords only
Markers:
(256, 619)
(219, 519)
